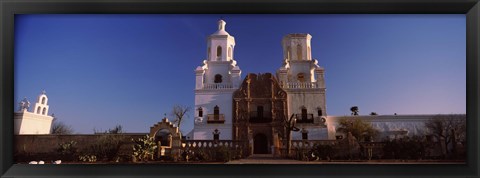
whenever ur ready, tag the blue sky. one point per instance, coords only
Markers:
(103, 70)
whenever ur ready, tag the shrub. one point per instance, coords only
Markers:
(67, 150)
(405, 148)
(219, 153)
(107, 147)
(88, 158)
(319, 152)
(201, 155)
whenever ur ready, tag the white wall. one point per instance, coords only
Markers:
(30, 123)
(311, 100)
(205, 132)
(314, 133)
(208, 100)
(221, 68)
(414, 124)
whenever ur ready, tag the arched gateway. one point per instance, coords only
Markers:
(167, 137)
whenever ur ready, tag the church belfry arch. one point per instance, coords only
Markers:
(299, 52)
(219, 52)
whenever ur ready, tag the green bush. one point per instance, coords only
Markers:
(144, 148)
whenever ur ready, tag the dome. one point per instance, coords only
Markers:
(221, 28)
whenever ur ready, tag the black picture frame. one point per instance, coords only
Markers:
(471, 9)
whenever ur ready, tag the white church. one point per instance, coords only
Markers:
(36, 121)
(253, 108)
(231, 107)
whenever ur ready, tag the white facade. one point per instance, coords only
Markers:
(36, 122)
(216, 80)
(389, 126)
(300, 76)
(303, 80)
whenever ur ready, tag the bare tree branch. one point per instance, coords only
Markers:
(179, 112)
(447, 128)
(60, 128)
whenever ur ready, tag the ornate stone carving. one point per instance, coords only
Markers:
(259, 91)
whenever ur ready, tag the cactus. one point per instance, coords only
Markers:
(144, 149)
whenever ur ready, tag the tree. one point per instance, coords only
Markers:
(60, 128)
(290, 126)
(449, 128)
(107, 145)
(118, 129)
(179, 111)
(360, 129)
(373, 114)
(354, 110)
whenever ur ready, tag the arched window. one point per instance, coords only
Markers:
(38, 110)
(260, 112)
(299, 52)
(43, 100)
(218, 78)
(208, 52)
(200, 112)
(44, 111)
(289, 53)
(304, 113)
(301, 77)
(319, 112)
(216, 110)
(309, 53)
(219, 52)
(229, 52)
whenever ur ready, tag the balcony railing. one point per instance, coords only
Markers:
(300, 85)
(264, 117)
(217, 86)
(216, 119)
(304, 118)
(198, 144)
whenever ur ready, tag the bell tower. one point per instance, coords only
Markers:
(36, 122)
(41, 107)
(297, 47)
(215, 81)
(220, 69)
(220, 44)
(303, 80)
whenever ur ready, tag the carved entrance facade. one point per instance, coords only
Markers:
(260, 108)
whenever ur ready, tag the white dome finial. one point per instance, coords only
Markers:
(221, 25)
